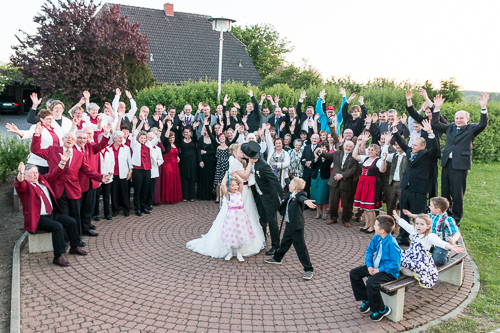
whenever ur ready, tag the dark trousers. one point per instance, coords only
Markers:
(188, 189)
(120, 195)
(347, 197)
(393, 196)
(415, 203)
(308, 185)
(71, 207)
(141, 179)
(105, 190)
(267, 216)
(453, 185)
(371, 291)
(295, 237)
(433, 177)
(86, 209)
(151, 193)
(56, 223)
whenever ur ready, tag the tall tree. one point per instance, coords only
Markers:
(76, 48)
(264, 45)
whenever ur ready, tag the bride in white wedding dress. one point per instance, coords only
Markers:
(210, 244)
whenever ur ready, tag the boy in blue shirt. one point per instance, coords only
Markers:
(382, 268)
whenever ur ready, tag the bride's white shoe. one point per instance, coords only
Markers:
(229, 256)
(240, 258)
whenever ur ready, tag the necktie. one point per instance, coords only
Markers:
(46, 201)
(188, 120)
(277, 126)
(458, 130)
(376, 263)
(412, 158)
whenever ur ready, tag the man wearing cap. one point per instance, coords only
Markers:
(267, 192)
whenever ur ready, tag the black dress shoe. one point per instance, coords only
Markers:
(126, 213)
(150, 208)
(115, 214)
(138, 213)
(61, 262)
(271, 252)
(92, 227)
(145, 211)
(369, 232)
(91, 233)
(82, 244)
(108, 217)
(97, 218)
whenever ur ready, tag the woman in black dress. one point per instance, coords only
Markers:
(187, 163)
(206, 172)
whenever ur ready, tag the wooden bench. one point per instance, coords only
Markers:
(40, 241)
(393, 293)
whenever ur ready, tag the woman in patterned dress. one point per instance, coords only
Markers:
(296, 168)
(277, 157)
(369, 191)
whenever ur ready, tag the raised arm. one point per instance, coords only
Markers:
(32, 115)
(436, 115)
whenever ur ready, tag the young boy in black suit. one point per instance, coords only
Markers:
(292, 208)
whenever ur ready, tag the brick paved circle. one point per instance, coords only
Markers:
(140, 277)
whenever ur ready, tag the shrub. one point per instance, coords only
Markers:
(12, 152)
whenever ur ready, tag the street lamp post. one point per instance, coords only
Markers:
(222, 25)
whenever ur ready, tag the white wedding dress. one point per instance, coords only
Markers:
(210, 244)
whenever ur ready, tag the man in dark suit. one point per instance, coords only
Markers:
(67, 188)
(267, 192)
(39, 212)
(307, 161)
(416, 182)
(457, 153)
(277, 121)
(292, 208)
(389, 126)
(253, 114)
(342, 183)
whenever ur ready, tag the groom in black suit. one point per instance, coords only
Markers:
(267, 193)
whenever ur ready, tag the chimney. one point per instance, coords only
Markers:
(169, 9)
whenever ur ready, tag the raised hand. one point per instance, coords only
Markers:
(226, 99)
(276, 99)
(38, 129)
(303, 95)
(86, 94)
(20, 168)
(322, 94)
(181, 115)
(82, 101)
(35, 100)
(396, 121)
(396, 216)
(316, 116)
(368, 118)
(262, 97)
(438, 102)
(374, 118)
(483, 100)
(134, 120)
(244, 119)
(366, 137)
(250, 92)
(422, 92)
(282, 126)
(341, 139)
(107, 105)
(342, 91)
(409, 95)
(128, 94)
(99, 120)
(236, 105)
(108, 128)
(388, 138)
(169, 125)
(426, 125)
(404, 118)
(200, 106)
(196, 124)
(269, 98)
(12, 128)
(353, 96)
(118, 92)
(384, 156)
(66, 156)
(361, 100)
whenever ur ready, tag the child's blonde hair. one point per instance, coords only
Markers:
(299, 183)
(427, 219)
(231, 180)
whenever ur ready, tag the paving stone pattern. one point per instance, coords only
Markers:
(140, 277)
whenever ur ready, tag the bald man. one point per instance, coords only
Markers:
(457, 154)
(416, 182)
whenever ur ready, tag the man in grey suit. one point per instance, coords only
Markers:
(200, 116)
(457, 154)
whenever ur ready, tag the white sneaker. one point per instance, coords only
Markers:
(240, 258)
(229, 256)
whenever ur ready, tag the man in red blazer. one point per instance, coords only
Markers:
(67, 188)
(91, 151)
(39, 212)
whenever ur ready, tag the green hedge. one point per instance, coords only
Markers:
(12, 152)
(383, 97)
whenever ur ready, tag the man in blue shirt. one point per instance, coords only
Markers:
(382, 261)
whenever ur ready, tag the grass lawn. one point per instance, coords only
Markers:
(480, 229)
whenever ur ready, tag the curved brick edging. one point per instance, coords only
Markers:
(15, 299)
(140, 277)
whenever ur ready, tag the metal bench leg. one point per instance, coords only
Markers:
(41, 242)
(396, 303)
(453, 275)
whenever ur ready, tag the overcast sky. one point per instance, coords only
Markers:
(416, 40)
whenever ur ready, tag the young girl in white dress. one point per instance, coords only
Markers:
(236, 229)
(211, 244)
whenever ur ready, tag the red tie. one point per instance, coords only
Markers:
(46, 201)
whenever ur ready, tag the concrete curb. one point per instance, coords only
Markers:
(15, 300)
(472, 295)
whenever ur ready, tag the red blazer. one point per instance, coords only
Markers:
(31, 200)
(70, 180)
(92, 155)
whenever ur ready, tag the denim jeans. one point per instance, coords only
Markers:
(440, 256)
